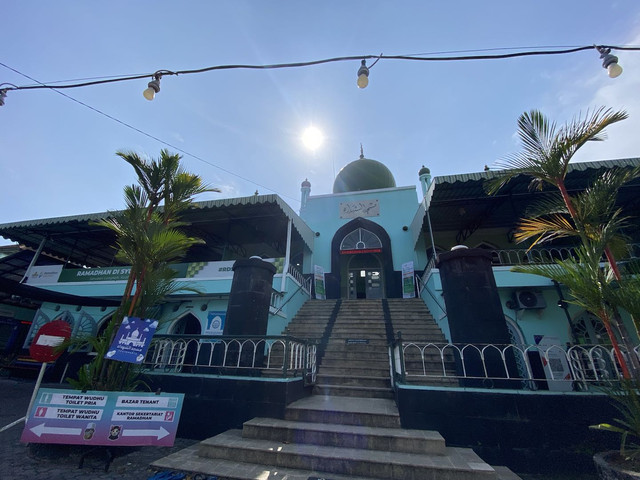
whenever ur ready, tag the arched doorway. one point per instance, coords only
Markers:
(189, 324)
(361, 262)
(185, 352)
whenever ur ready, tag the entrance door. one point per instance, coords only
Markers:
(365, 283)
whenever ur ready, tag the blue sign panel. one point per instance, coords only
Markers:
(215, 323)
(132, 340)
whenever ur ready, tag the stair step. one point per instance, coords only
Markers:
(187, 460)
(461, 464)
(346, 370)
(353, 391)
(368, 412)
(349, 436)
(353, 380)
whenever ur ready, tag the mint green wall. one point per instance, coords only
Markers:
(19, 313)
(397, 209)
(277, 323)
(198, 305)
(550, 321)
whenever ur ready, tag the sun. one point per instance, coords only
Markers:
(312, 138)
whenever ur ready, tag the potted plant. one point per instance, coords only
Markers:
(625, 463)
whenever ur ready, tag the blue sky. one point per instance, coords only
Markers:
(58, 157)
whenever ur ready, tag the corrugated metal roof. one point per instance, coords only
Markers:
(459, 202)
(577, 166)
(74, 237)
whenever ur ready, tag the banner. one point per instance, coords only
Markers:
(132, 340)
(408, 281)
(318, 282)
(103, 418)
(194, 270)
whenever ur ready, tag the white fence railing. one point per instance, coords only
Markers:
(520, 256)
(532, 366)
(223, 355)
(298, 277)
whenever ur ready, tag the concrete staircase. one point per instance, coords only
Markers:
(422, 366)
(349, 428)
(356, 358)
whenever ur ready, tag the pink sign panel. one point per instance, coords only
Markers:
(103, 418)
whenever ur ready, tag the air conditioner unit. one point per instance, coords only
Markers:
(529, 299)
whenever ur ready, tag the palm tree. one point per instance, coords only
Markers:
(149, 237)
(547, 152)
(591, 215)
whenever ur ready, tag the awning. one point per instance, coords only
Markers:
(459, 202)
(254, 225)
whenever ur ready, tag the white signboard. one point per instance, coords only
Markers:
(318, 281)
(362, 208)
(408, 281)
(43, 274)
(554, 360)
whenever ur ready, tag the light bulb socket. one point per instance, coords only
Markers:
(608, 59)
(363, 75)
(609, 62)
(153, 87)
(3, 95)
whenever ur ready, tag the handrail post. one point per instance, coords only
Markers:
(392, 355)
(285, 360)
(401, 356)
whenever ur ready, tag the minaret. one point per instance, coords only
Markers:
(305, 190)
(425, 179)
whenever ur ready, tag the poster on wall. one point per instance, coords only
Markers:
(215, 323)
(132, 340)
(318, 282)
(408, 281)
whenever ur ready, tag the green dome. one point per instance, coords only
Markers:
(363, 174)
(424, 171)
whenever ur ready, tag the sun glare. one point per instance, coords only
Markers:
(312, 138)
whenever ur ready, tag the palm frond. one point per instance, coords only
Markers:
(544, 229)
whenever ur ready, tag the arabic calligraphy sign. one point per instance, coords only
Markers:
(362, 208)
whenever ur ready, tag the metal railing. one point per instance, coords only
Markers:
(530, 367)
(520, 256)
(276, 299)
(268, 356)
(298, 277)
(537, 255)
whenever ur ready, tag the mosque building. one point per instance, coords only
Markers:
(449, 246)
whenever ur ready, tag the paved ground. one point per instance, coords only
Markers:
(55, 462)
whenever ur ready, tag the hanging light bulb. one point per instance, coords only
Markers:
(363, 75)
(153, 87)
(3, 95)
(610, 62)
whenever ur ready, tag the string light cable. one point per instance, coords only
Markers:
(610, 62)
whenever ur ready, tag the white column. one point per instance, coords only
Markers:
(287, 257)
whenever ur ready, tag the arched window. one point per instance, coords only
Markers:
(360, 239)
